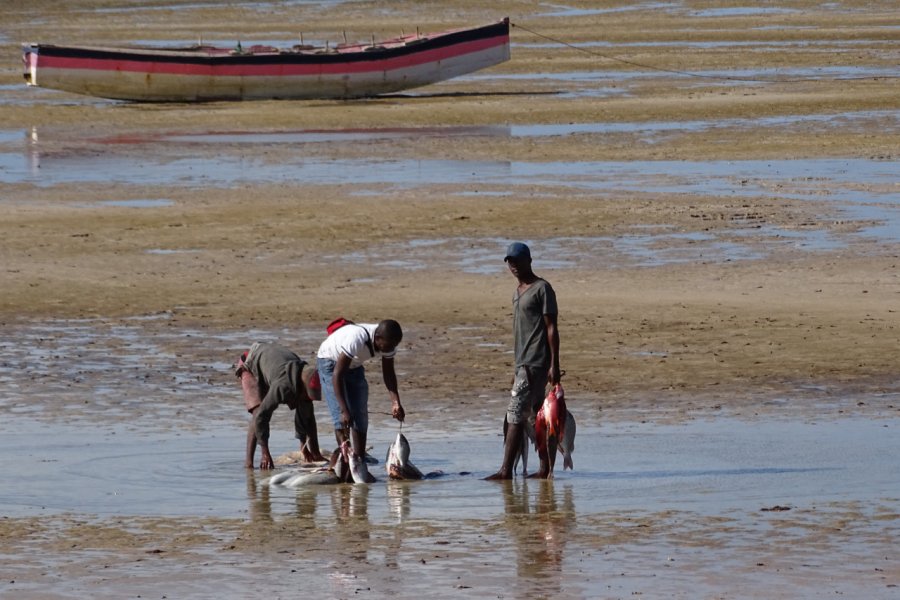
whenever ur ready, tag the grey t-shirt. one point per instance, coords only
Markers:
(529, 331)
(278, 371)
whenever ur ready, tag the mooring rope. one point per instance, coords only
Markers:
(689, 73)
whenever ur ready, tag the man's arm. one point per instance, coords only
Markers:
(262, 415)
(553, 343)
(251, 444)
(390, 382)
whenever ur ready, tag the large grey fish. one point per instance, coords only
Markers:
(298, 478)
(279, 478)
(359, 472)
(567, 443)
(321, 476)
(397, 461)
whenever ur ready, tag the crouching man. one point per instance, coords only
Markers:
(271, 375)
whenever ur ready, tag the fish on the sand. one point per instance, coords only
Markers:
(294, 478)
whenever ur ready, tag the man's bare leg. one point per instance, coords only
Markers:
(511, 447)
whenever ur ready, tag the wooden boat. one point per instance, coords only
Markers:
(204, 73)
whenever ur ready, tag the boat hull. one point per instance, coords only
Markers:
(206, 74)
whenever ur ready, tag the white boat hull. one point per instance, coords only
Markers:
(160, 76)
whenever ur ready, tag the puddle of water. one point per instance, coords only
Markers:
(849, 183)
(87, 364)
(885, 120)
(9, 136)
(26, 96)
(740, 11)
(29, 142)
(731, 76)
(323, 135)
(258, 6)
(482, 255)
(761, 44)
(138, 203)
(570, 11)
(812, 240)
(169, 251)
(652, 251)
(798, 179)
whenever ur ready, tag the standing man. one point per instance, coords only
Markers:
(536, 341)
(340, 362)
(272, 375)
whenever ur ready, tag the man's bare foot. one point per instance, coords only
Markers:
(498, 476)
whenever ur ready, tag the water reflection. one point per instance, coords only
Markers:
(350, 504)
(539, 522)
(260, 504)
(259, 496)
(398, 500)
(350, 538)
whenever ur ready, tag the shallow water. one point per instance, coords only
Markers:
(118, 424)
(692, 503)
(689, 509)
(28, 140)
(638, 249)
(260, 5)
(822, 179)
(135, 418)
(862, 189)
(713, 467)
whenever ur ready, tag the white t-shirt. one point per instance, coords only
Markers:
(351, 340)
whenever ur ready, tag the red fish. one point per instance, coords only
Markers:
(550, 426)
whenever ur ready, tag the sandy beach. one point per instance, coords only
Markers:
(712, 189)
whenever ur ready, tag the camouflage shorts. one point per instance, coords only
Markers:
(527, 394)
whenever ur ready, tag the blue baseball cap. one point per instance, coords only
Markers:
(518, 251)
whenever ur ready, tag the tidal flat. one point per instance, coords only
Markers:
(713, 191)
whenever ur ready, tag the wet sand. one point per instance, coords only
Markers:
(724, 251)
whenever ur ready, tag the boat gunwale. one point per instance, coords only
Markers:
(391, 48)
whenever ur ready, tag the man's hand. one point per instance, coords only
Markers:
(345, 419)
(266, 462)
(397, 411)
(554, 375)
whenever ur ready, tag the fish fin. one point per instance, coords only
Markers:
(412, 472)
